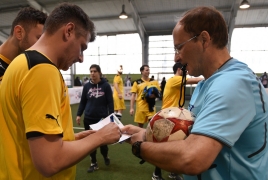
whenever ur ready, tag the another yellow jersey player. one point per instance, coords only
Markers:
(26, 29)
(118, 94)
(36, 129)
(142, 113)
(173, 88)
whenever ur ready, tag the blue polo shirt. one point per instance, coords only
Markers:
(231, 107)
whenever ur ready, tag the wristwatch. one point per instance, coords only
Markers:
(136, 150)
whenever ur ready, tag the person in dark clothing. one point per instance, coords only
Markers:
(96, 103)
(163, 84)
(77, 82)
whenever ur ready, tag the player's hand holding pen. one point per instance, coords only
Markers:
(109, 134)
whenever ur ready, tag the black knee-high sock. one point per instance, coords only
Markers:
(93, 157)
(104, 151)
(157, 171)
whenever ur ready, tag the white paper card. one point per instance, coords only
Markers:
(107, 120)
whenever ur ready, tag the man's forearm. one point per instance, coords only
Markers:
(60, 153)
(183, 156)
(132, 100)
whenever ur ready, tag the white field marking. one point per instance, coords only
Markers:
(78, 128)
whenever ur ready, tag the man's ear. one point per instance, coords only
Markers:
(206, 39)
(19, 32)
(69, 31)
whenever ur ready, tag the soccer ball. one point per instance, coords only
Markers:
(169, 124)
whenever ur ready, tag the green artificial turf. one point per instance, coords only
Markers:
(124, 165)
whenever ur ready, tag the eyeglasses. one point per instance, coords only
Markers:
(178, 47)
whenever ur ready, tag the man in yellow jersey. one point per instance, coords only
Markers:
(36, 128)
(118, 94)
(142, 113)
(26, 29)
(174, 86)
(172, 95)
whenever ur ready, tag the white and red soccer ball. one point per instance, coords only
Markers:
(169, 124)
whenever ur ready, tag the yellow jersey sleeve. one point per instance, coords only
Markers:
(44, 117)
(134, 88)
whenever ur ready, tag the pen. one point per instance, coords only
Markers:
(112, 118)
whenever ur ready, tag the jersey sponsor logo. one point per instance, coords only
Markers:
(49, 116)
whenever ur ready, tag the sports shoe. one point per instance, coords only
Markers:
(155, 177)
(93, 167)
(175, 176)
(107, 161)
(178, 177)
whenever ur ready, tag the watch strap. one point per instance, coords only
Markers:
(136, 150)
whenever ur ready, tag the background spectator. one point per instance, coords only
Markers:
(163, 84)
(264, 79)
(129, 82)
(77, 81)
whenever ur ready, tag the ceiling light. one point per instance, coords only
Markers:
(123, 14)
(244, 4)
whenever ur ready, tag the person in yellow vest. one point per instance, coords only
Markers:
(118, 94)
(36, 129)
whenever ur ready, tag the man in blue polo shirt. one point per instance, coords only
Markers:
(228, 140)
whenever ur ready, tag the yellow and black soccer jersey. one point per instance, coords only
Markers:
(172, 92)
(34, 100)
(138, 87)
(4, 62)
